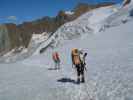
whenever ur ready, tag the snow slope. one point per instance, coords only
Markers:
(109, 75)
(22, 53)
(90, 23)
(109, 63)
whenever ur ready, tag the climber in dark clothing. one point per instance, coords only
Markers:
(79, 62)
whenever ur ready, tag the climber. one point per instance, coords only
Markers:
(78, 59)
(56, 59)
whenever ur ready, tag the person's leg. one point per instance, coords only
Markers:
(78, 73)
(82, 74)
(58, 64)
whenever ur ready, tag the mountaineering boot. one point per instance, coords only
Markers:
(78, 80)
(83, 80)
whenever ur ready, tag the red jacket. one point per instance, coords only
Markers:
(55, 56)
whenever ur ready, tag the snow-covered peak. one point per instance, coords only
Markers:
(69, 12)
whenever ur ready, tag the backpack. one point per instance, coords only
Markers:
(75, 57)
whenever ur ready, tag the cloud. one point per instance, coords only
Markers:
(12, 18)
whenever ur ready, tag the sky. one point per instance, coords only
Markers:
(18, 11)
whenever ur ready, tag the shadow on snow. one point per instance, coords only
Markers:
(67, 80)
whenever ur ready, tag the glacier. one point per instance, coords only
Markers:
(108, 77)
(109, 74)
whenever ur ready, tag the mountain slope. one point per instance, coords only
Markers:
(90, 23)
(109, 63)
(109, 74)
(20, 34)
